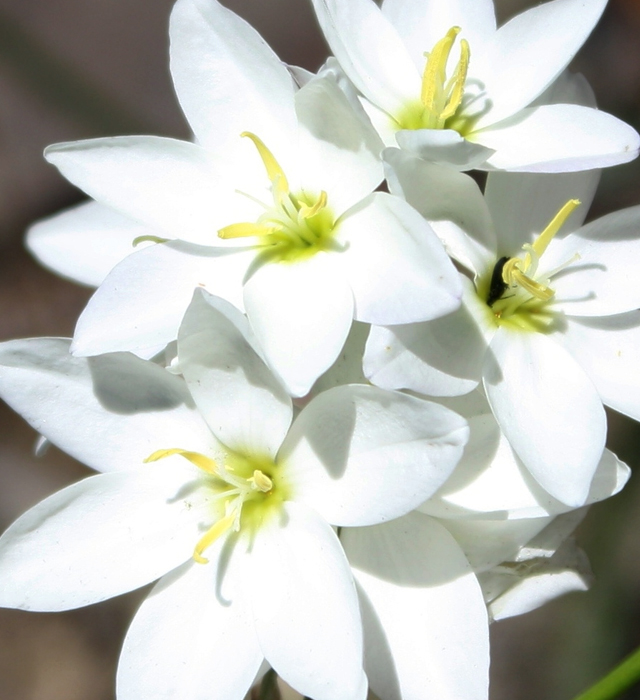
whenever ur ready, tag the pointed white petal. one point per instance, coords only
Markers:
(85, 242)
(360, 455)
(559, 138)
(523, 204)
(374, 57)
(101, 537)
(490, 478)
(227, 79)
(395, 264)
(193, 639)
(450, 201)
(110, 412)
(536, 390)
(607, 349)
(338, 152)
(172, 186)
(305, 606)
(245, 405)
(426, 627)
(603, 280)
(301, 313)
(421, 25)
(530, 51)
(445, 147)
(443, 357)
(142, 301)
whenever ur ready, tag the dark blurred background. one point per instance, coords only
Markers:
(73, 69)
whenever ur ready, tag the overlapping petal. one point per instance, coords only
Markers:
(110, 411)
(363, 455)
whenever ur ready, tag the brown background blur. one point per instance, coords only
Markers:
(72, 69)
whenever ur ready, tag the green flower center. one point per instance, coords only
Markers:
(517, 296)
(295, 226)
(246, 491)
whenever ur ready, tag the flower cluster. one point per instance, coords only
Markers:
(345, 406)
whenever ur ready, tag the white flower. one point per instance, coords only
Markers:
(287, 177)
(438, 77)
(552, 333)
(210, 469)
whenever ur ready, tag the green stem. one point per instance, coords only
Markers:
(623, 676)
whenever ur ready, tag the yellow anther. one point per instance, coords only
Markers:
(441, 98)
(542, 241)
(201, 461)
(306, 212)
(211, 535)
(148, 239)
(246, 230)
(260, 481)
(534, 288)
(274, 172)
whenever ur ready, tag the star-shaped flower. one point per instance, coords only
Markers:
(209, 485)
(439, 78)
(283, 176)
(549, 323)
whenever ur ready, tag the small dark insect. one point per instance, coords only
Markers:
(497, 286)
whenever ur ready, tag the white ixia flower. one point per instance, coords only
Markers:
(439, 78)
(549, 323)
(211, 469)
(284, 175)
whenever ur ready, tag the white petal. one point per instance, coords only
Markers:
(110, 412)
(395, 264)
(523, 204)
(491, 479)
(305, 607)
(101, 537)
(338, 152)
(603, 280)
(487, 543)
(426, 627)
(360, 455)
(192, 639)
(374, 57)
(444, 146)
(530, 51)
(559, 138)
(301, 313)
(421, 25)
(227, 79)
(245, 405)
(85, 242)
(443, 357)
(607, 349)
(548, 409)
(166, 184)
(451, 202)
(142, 301)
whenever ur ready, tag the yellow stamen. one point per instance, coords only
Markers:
(245, 230)
(211, 535)
(440, 98)
(306, 212)
(520, 271)
(274, 172)
(201, 461)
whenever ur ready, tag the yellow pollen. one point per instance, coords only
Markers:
(201, 461)
(520, 271)
(260, 481)
(439, 96)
